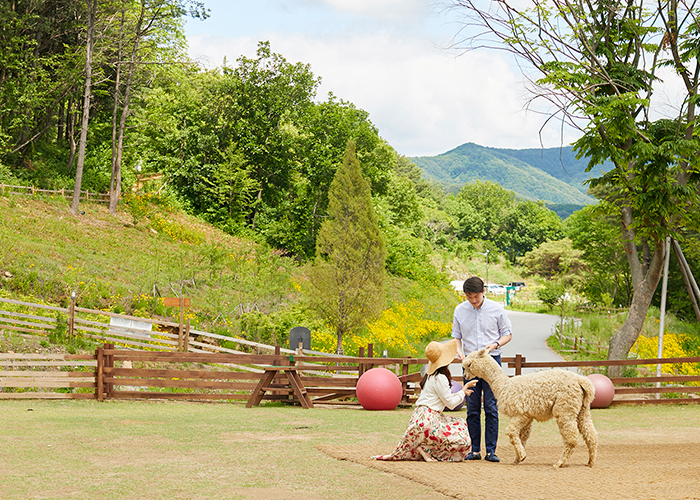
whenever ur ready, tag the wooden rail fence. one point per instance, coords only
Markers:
(63, 193)
(178, 362)
(130, 374)
(47, 376)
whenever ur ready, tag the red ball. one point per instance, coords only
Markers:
(604, 390)
(379, 389)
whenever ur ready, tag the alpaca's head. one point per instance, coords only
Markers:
(477, 363)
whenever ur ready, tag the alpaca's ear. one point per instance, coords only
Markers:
(482, 352)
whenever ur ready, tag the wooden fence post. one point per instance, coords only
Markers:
(181, 331)
(404, 384)
(99, 374)
(109, 363)
(518, 364)
(71, 316)
(187, 336)
(361, 365)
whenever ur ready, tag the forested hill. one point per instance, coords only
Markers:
(553, 175)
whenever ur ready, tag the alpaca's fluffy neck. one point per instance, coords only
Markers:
(496, 378)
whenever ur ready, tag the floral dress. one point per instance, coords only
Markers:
(445, 438)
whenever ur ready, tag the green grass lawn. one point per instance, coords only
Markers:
(176, 450)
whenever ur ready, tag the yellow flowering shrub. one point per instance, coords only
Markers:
(402, 330)
(675, 346)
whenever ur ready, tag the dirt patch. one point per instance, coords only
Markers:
(623, 471)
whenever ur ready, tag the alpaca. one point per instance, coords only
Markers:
(563, 395)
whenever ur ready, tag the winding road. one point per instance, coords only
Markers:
(530, 332)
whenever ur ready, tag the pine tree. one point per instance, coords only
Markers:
(348, 275)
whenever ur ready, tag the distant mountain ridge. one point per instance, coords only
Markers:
(552, 175)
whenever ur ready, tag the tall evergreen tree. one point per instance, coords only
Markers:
(350, 253)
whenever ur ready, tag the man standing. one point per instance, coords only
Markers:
(480, 322)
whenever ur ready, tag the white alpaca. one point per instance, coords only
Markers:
(563, 395)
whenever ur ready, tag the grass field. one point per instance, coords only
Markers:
(176, 450)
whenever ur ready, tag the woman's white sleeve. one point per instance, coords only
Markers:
(444, 392)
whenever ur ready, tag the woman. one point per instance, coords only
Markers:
(431, 435)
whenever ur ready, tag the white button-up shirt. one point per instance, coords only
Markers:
(478, 328)
(437, 394)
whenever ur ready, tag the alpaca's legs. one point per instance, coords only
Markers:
(525, 433)
(590, 435)
(569, 434)
(515, 431)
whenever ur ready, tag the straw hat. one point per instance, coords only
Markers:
(440, 354)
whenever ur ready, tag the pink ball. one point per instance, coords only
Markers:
(379, 389)
(604, 390)
(455, 387)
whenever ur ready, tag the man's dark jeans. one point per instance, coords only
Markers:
(490, 412)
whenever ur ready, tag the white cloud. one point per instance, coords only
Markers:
(386, 9)
(423, 100)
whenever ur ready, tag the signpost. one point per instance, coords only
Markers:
(183, 339)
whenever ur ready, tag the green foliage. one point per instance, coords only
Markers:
(597, 235)
(525, 227)
(554, 258)
(59, 336)
(485, 210)
(410, 257)
(551, 294)
(348, 276)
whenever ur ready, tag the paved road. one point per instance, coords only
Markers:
(530, 332)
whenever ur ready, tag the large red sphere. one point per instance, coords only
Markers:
(604, 390)
(379, 389)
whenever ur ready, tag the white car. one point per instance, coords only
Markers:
(457, 285)
(495, 289)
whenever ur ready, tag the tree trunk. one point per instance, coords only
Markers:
(116, 183)
(339, 346)
(70, 135)
(115, 114)
(91, 7)
(623, 340)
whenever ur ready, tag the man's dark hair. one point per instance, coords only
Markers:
(473, 285)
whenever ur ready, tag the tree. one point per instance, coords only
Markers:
(597, 235)
(491, 201)
(87, 94)
(527, 225)
(151, 23)
(597, 64)
(555, 258)
(348, 275)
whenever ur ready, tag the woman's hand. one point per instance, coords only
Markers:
(467, 387)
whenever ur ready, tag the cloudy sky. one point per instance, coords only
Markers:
(390, 58)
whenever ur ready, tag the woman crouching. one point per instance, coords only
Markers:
(431, 435)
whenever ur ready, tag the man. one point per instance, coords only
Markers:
(480, 322)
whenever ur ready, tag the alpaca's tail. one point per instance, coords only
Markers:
(588, 391)
(585, 422)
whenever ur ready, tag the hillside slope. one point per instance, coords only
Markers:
(553, 175)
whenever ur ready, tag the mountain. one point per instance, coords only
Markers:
(552, 175)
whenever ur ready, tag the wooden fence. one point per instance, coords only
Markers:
(130, 374)
(183, 363)
(63, 193)
(120, 329)
(47, 376)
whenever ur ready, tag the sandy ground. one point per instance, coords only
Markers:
(623, 471)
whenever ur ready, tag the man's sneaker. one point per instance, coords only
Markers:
(473, 456)
(491, 457)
